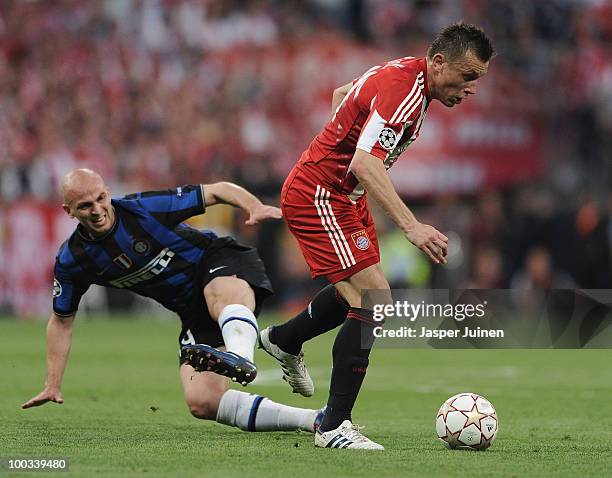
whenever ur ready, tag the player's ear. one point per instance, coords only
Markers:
(438, 61)
(67, 210)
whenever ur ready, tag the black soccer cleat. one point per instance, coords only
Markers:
(204, 358)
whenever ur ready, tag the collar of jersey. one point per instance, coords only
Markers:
(423, 62)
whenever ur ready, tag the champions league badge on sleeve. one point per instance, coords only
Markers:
(361, 239)
(387, 138)
(57, 288)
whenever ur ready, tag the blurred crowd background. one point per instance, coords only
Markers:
(157, 93)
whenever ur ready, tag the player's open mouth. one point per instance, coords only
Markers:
(98, 221)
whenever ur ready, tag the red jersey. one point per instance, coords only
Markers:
(381, 114)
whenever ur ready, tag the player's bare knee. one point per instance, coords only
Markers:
(371, 278)
(204, 404)
(202, 391)
(204, 409)
(223, 291)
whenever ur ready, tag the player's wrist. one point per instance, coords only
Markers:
(253, 206)
(409, 225)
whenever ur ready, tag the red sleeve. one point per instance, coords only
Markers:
(396, 101)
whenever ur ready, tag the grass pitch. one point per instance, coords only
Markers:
(124, 413)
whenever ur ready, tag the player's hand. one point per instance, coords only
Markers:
(261, 212)
(43, 397)
(431, 241)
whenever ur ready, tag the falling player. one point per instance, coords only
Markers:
(214, 284)
(375, 118)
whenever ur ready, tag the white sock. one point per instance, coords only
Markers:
(239, 329)
(255, 413)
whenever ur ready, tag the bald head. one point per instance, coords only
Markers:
(79, 182)
(87, 199)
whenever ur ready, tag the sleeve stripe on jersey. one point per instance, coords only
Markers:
(370, 132)
(418, 85)
(417, 103)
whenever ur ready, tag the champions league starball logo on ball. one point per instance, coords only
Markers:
(387, 138)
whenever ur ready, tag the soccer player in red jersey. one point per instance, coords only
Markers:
(375, 118)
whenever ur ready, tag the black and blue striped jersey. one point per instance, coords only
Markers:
(148, 251)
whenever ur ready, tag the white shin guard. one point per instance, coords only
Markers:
(255, 413)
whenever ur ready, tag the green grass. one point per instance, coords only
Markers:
(554, 409)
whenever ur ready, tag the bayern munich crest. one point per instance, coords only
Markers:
(361, 239)
(387, 138)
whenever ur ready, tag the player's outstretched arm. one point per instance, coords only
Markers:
(373, 176)
(230, 193)
(59, 340)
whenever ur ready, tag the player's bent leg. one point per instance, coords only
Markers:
(202, 391)
(325, 312)
(370, 278)
(284, 342)
(225, 290)
(230, 302)
(208, 397)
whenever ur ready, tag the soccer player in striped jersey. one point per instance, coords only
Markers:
(375, 118)
(215, 285)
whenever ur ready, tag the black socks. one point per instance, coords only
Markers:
(326, 312)
(350, 353)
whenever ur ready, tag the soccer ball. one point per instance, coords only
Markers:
(467, 421)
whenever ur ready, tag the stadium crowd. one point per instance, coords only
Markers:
(158, 93)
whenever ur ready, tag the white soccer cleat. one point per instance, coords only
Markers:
(346, 435)
(295, 372)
